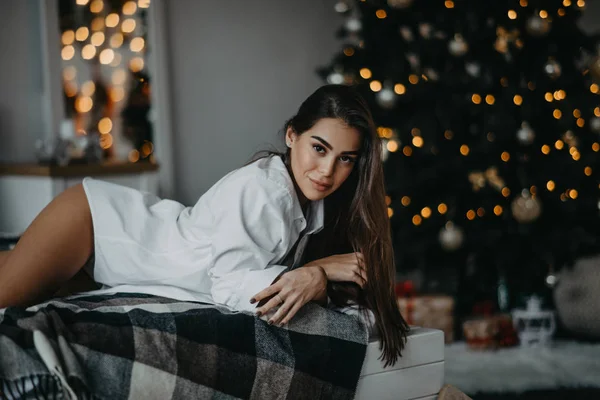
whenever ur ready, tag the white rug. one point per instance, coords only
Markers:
(517, 369)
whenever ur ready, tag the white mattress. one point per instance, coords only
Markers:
(418, 374)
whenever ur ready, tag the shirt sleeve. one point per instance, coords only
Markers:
(250, 233)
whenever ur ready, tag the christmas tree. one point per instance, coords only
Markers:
(490, 119)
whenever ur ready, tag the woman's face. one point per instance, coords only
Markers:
(323, 157)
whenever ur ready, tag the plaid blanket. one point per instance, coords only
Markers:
(138, 346)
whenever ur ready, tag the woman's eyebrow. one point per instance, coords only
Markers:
(330, 147)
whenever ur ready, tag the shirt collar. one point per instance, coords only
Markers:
(316, 217)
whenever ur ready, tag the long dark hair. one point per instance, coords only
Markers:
(356, 215)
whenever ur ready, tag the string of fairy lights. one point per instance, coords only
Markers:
(115, 38)
(525, 206)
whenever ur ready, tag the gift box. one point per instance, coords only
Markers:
(427, 311)
(489, 333)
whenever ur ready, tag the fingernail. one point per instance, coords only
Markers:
(270, 322)
(252, 301)
(258, 314)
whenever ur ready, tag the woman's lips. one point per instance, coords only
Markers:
(320, 186)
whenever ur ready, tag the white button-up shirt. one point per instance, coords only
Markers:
(223, 250)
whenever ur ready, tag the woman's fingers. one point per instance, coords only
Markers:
(267, 292)
(297, 305)
(283, 310)
(274, 302)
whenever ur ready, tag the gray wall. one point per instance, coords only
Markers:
(21, 114)
(239, 70)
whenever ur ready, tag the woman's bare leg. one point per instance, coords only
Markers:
(51, 251)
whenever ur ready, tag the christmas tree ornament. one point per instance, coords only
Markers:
(538, 26)
(353, 25)
(552, 68)
(341, 7)
(458, 46)
(595, 69)
(473, 69)
(534, 326)
(526, 208)
(595, 124)
(525, 135)
(451, 237)
(399, 3)
(386, 97)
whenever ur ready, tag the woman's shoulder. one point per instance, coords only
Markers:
(268, 172)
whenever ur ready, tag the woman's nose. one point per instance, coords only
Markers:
(327, 167)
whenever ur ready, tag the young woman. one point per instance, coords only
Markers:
(267, 238)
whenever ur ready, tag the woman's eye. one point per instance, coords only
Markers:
(319, 149)
(346, 159)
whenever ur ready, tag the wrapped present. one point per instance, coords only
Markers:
(432, 311)
(491, 332)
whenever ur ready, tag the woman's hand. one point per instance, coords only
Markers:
(293, 290)
(343, 268)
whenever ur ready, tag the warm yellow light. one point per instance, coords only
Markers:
(559, 144)
(365, 73)
(562, 94)
(82, 33)
(480, 212)
(106, 141)
(388, 200)
(129, 8)
(118, 77)
(498, 210)
(426, 212)
(96, 6)
(407, 151)
(470, 215)
(375, 86)
(587, 171)
(349, 51)
(84, 104)
(561, 12)
(390, 212)
(490, 136)
(442, 208)
(548, 96)
(597, 111)
(556, 95)
(134, 156)
(417, 141)
(67, 52)
(475, 98)
(464, 150)
(523, 3)
(143, 3)
(580, 122)
(381, 14)
(576, 113)
(71, 89)
(112, 20)
(504, 81)
(545, 149)
(136, 64)
(415, 131)
(594, 88)
(392, 146)
(543, 14)
(88, 88)
(576, 156)
(573, 150)
(105, 125)
(88, 51)
(116, 40)
(512, 14)
(106, 56)
(136, 44)
(550, 185)
(97, 39)
(128, 25)
(147, 149)
(117, 94)
(416, 220)
(505, 156)
(69, 73)
(573, 194)
(448, 134)
(116, 61)
(68, 37)
(414, 79)
(531, 86)
(449, 4)
(596, 147)
(518, 100)
(557, 113)
(490, 99)
(98, 24)
(566, 3)
(580, 3)
(505, 192)
(82, 2)
(399, 88)
(533, 190)
(405, 201)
